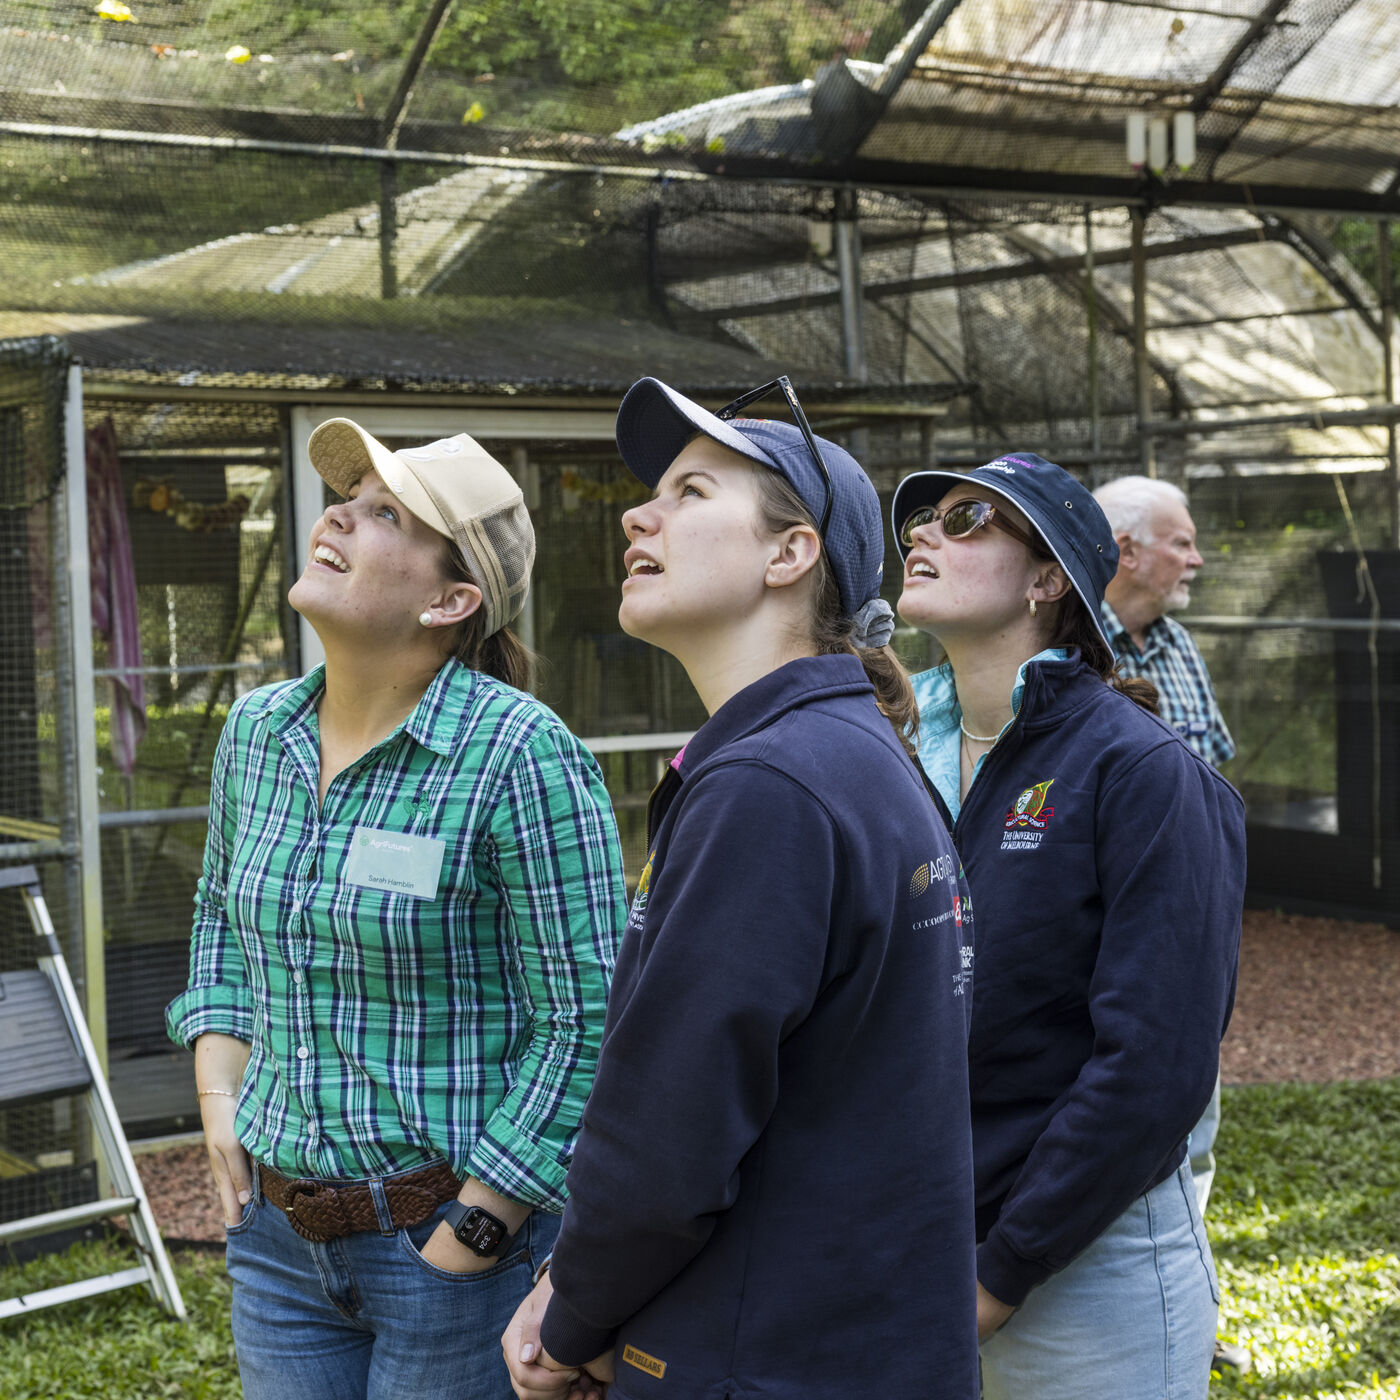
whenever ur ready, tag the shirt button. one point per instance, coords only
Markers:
(296, 977)
(302, 1052)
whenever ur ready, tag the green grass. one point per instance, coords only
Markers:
(1305, 1224)
(1304, 1218)
(118, 1346)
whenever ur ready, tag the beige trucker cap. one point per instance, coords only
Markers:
(455, 486)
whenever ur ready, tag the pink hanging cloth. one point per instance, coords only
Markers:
(114, 611)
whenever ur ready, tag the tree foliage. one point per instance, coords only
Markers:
(589, 61)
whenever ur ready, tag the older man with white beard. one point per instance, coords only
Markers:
(1157, 562)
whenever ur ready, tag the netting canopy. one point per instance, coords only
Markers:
(1130, 234)
(433, 167)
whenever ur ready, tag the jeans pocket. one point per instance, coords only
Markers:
(245, 1220)
(412, 1240)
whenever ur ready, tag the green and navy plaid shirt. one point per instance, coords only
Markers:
(1174, 664)
(389, 1030)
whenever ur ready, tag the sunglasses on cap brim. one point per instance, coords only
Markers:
(783, 385)
(961, 519)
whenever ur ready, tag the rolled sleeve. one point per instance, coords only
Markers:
(217, 997)
(557, 858)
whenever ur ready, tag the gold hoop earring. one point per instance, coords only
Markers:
(1032, 607)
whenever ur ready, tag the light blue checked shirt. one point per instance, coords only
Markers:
(1173, 663)
(389, 1030)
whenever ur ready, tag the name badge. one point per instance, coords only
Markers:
(395, 862)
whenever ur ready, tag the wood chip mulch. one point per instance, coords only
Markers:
(1318, 1000)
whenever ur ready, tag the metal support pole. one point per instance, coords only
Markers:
(389, 135)
(1146, 449)
(1091, 310)
(847, 238)
(388, 229)
(1385, 282)
(928, 445)
(847, 230)
(73, 662)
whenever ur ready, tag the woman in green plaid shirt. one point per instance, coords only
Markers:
(404, 935)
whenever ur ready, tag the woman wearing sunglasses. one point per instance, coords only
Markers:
(772, 1192)
(1107, 863)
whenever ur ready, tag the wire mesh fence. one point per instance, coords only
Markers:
(46, 1160)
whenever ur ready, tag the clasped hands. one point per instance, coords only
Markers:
(534, 1373)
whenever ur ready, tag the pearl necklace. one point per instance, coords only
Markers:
(977, 738)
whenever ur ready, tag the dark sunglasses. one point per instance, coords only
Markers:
(959, 520)
(782, 384)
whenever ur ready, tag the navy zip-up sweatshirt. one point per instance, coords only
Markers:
(1107, 862)
(772, 1191)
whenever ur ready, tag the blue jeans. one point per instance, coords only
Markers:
(367, 1316)
(1133, 1317)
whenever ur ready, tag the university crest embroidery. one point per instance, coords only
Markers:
(1030, 809)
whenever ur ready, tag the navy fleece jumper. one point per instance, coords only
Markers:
(772, 1191)
(1107, 861)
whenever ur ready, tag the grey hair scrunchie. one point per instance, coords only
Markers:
(873, 625)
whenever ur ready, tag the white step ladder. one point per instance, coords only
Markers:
(47, 1053)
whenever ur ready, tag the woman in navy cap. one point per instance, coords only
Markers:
(772, 1192)
(1107, 862)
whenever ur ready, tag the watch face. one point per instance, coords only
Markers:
(480, 1231)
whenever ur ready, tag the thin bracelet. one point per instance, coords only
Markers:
(223, 1093)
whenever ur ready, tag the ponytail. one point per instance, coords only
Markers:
(893, 693)
(782, 508)
(506, 657)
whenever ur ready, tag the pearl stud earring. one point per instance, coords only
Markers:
(425, 619)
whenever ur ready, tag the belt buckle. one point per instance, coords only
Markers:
(319, 1195)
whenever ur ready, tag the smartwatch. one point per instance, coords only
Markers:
(482, 1233)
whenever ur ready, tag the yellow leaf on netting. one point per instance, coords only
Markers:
(238, 54)
(474, 113)
(114, 10)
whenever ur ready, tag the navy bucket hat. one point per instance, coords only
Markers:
(1063, 513)
(655, 422)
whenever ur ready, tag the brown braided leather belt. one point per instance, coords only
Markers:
(325, 1210)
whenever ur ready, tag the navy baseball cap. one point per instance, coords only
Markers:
(655, 422)
(1062, 511)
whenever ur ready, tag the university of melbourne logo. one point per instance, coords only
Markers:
(636, 915)
(1030, 809)
(1026, 822)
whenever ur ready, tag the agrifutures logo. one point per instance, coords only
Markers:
(381, 845)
